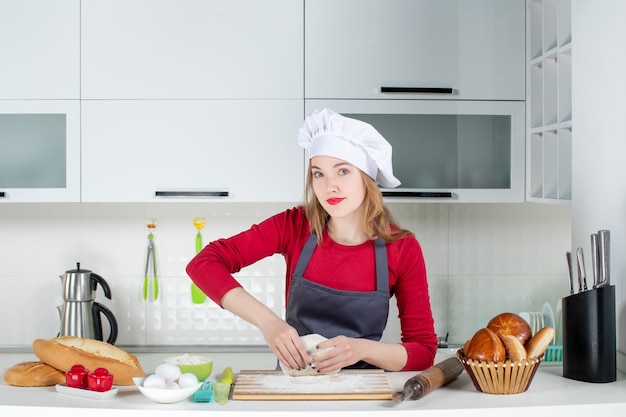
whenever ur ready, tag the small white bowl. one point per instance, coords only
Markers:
(166, 396)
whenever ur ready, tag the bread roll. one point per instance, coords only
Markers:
(33, 374)
(510, 323)
(486, 346)
(539, 342)
(515, 351)
(466, 346)
(64, 351)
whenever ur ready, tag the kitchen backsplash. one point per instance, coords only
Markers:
(482, 259)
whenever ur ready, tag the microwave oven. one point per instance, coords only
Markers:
(447, 151)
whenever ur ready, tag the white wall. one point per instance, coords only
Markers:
(599, 139)
(482, 259)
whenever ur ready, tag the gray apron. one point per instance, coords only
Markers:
(315, 308)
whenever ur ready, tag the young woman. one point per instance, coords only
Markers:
(345, 258)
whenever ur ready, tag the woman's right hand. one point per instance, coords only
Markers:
(280, 336)
(285, 343)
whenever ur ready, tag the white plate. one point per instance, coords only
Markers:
(548, 316)
(526, 316)
(85, 393)
(558, 339)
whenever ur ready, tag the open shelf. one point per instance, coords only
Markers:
(549, 101)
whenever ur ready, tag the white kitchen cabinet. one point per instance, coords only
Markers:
(192, 49)
(39, 151)
(447, 151)
(549, 102)
(39, 49)
(191, 150)
(353, 48)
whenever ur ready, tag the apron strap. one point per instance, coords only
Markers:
(305, 255)
(382, 269)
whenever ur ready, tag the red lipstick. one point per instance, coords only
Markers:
(334, 201)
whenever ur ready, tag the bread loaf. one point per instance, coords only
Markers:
(486, 346)
(511, 323)
(33, 374)
(515, 351)
(539, 342)
(64, 351)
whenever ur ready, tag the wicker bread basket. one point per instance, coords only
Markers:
(510, 377)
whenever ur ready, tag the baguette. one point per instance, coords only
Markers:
(65, 351)
(33, 374)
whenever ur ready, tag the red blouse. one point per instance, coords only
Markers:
(334, 265)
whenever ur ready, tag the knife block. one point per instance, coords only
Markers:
(589, 341)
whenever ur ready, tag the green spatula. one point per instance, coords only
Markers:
(197, 296)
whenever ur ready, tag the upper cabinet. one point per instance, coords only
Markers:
(192, 49)
(430, 49)
(39, 151)
(191, 150)
(40, 49)
(549, 102)
(194, 100)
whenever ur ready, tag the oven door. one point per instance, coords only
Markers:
(447, 151)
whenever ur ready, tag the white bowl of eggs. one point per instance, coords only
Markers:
(168, 384)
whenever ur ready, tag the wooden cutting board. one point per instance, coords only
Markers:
(349, 384)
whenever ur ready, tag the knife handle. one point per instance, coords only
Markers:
(568, 256)
(582, 279)
(595, 256)
(604, 257)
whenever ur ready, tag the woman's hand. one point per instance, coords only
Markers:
(280, 336)
(348, 351)
(345, 352)
(285, 343)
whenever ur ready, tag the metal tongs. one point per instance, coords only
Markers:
(151, 259)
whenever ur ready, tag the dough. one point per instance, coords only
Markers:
(310, 341)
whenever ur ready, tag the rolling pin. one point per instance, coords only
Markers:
(429, 380)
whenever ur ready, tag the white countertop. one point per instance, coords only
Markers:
(549, 392)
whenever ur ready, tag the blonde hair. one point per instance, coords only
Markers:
(377, 220)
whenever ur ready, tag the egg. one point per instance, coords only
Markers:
(154, 381)
(187, 380)
(168, 371)
(172, 385)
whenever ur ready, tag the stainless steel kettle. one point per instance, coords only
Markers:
(80, 314)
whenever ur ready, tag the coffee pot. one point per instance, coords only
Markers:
(80, 313)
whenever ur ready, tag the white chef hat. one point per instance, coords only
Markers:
(325, 132)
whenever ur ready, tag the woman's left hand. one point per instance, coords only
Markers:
(345, 351)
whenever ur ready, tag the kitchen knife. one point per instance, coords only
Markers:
(582, 279)
(568, 256)
(604, 257)
(595, 266)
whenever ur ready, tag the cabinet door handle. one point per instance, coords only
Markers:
(421, 90)
(186, 194)
(417, 194)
